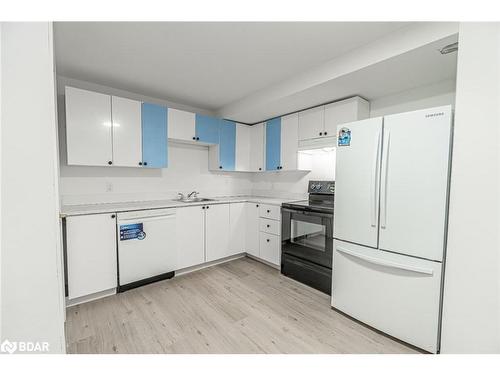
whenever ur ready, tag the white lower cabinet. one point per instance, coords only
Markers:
(216, 231)
(91, 254)
(263, 232)
(190, 224)
(270, 248)
(252, 228)
(237, 231)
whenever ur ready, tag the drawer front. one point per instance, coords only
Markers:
(270, 226)
(396, 294)
(270, 212)
(270, 248)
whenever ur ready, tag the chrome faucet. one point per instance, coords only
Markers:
(195, 193)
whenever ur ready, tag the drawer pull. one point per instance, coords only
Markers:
(386, 263)
(268, 211)
(268, 225)
(267, 240)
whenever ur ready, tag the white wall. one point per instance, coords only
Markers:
(471, 311)
(436, 95)
(32, 287)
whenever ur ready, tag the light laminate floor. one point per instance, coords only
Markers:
(241, 306)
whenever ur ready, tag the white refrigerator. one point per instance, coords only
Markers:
(391, 204)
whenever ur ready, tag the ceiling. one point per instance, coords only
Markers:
(202, 64)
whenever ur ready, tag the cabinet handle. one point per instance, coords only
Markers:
(140, 163)
(110, 162)
(113, 216)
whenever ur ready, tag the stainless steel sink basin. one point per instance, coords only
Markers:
(193, 200)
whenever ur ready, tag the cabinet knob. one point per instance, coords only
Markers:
(320, 133)
(140, 163)
(267, 240)
(256, 205)
(194, 138)
(268, 211)
(220, 166)
(110, 162)
(207, 207)
(260, 169)
(145, 163)
(326, 133)
(197, 138)
(268, 225)
(113, 216)
(202, 207)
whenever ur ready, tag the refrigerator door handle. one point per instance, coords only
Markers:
(386, 263)
(383, 195)
(375, 185)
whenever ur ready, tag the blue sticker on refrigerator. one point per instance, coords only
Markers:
(132, 232)
(344, 138)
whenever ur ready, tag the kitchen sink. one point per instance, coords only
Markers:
(193, 200)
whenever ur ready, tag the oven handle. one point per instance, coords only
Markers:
(320, 214)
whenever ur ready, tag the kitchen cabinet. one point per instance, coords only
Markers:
(91, 254)
(270, 248)
(257, 148)
(312, 123)
(190, 235)
(289, 139)
(237, 230)
(273, 144)
(127, 132)
(243, 150)
(105, 130)
(345, 111)
(322, 121)
(207, 129)
(222, 156)
(154, 136)
(252, 228)
(217, 229)
(181, 125)
(88, 127)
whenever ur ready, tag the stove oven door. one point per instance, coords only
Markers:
(308, 236)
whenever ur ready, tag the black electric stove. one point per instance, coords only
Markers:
(307, 237)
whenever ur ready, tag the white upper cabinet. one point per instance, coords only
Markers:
(322, 121)
(311, 123)
(181, 125)
(348, 110)
(257, 148)
(127, 133)
(88, 127)
(289, 141)
(243, 150)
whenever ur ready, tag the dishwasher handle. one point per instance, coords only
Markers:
(147, 218)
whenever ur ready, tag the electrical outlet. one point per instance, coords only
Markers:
(109, 187)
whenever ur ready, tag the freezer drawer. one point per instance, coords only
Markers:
(396, 294)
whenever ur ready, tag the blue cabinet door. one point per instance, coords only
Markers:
(227, 145)
(154, 136)
(207, 129)
(273, 144)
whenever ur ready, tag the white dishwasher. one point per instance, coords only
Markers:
(146, 247)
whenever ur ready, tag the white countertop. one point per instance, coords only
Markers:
(98, 208)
